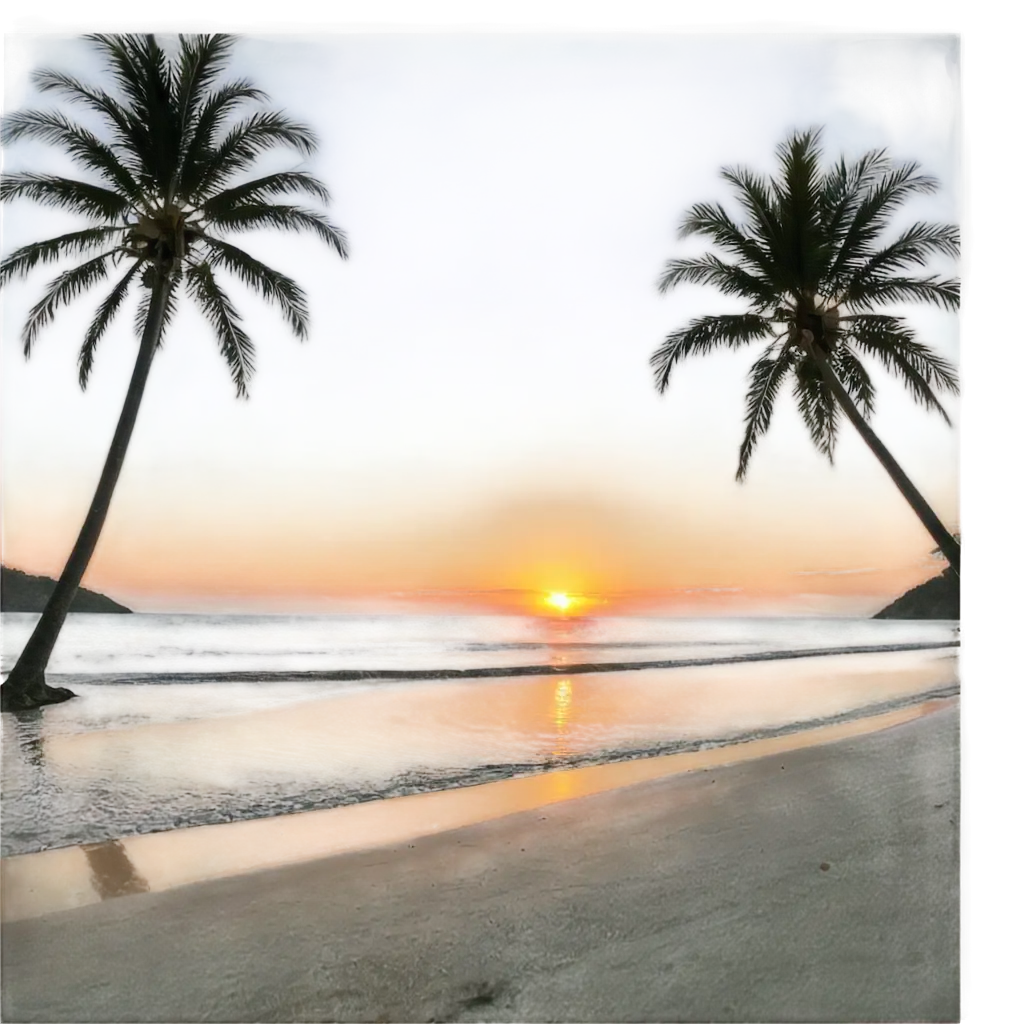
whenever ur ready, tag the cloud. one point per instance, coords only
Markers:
(677, 590)
(713, 590)
(521, 592)
(910, 82)
(503, 591)
(833, 572)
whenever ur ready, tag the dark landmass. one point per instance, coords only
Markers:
(20, 592)
(937, 598)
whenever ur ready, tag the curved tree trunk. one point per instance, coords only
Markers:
(26, 686)
(947, 543)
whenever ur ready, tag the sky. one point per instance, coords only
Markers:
(473, 419)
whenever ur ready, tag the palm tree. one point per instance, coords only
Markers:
(937, 553)
(166, 186)
(811, 262)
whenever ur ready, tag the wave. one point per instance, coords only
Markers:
(480, 672)
(584, 645)
(157, 651)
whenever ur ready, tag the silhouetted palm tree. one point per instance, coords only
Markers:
(167, 186)
(811, 261)
(938, 552)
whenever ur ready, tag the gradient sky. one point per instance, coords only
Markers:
(473, 412)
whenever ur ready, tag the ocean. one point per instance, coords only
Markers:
(185, 720)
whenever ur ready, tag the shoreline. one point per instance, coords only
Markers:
(480, 672)
(631, 762)
(202, 757)
(68, 877)
(817, 884)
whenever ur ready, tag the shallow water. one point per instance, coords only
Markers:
(64, 784)
(106, 647)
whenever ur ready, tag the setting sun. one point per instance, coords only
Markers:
(563, 602)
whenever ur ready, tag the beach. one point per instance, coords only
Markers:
(819, 884)
(529, 648)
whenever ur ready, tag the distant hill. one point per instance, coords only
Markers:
(937, 598)
(20, 592)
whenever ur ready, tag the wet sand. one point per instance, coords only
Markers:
(816, 884)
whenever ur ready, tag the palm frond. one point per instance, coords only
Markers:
(817, 407)
(100, 322)
(254, 216)
(210, 118)
(765, 378)
(876, 203)
(703, 336)
(200, 61)
(142, 70)
(917, 385)
(893, 343)
(855, 379)
(62, 290)
(51, 190)
(712, 221)
(162, 144)
(727, 277)
(170, 309)
(81, 145)
(119, 120)
(866, 292)
(125, 56)
(235, 345)
(755, 196)
(76, 243)
(800, 154)
(842, 188)
(797, 189)
(272, 285)
(246, 140)
(912, 248)
(270, 186)
(803, 254)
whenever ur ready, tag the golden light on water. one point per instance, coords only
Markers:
(560, 715)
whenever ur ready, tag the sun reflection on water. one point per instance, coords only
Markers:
(561, 714)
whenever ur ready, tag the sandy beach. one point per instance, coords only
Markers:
(819, 884)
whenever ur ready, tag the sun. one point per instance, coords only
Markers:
(563, 602)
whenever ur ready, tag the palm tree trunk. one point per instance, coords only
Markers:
(947, 543)
(26, 686)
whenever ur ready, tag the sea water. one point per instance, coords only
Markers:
(185, 720)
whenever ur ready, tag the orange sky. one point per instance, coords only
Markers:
(618, 555)
(473, 418)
